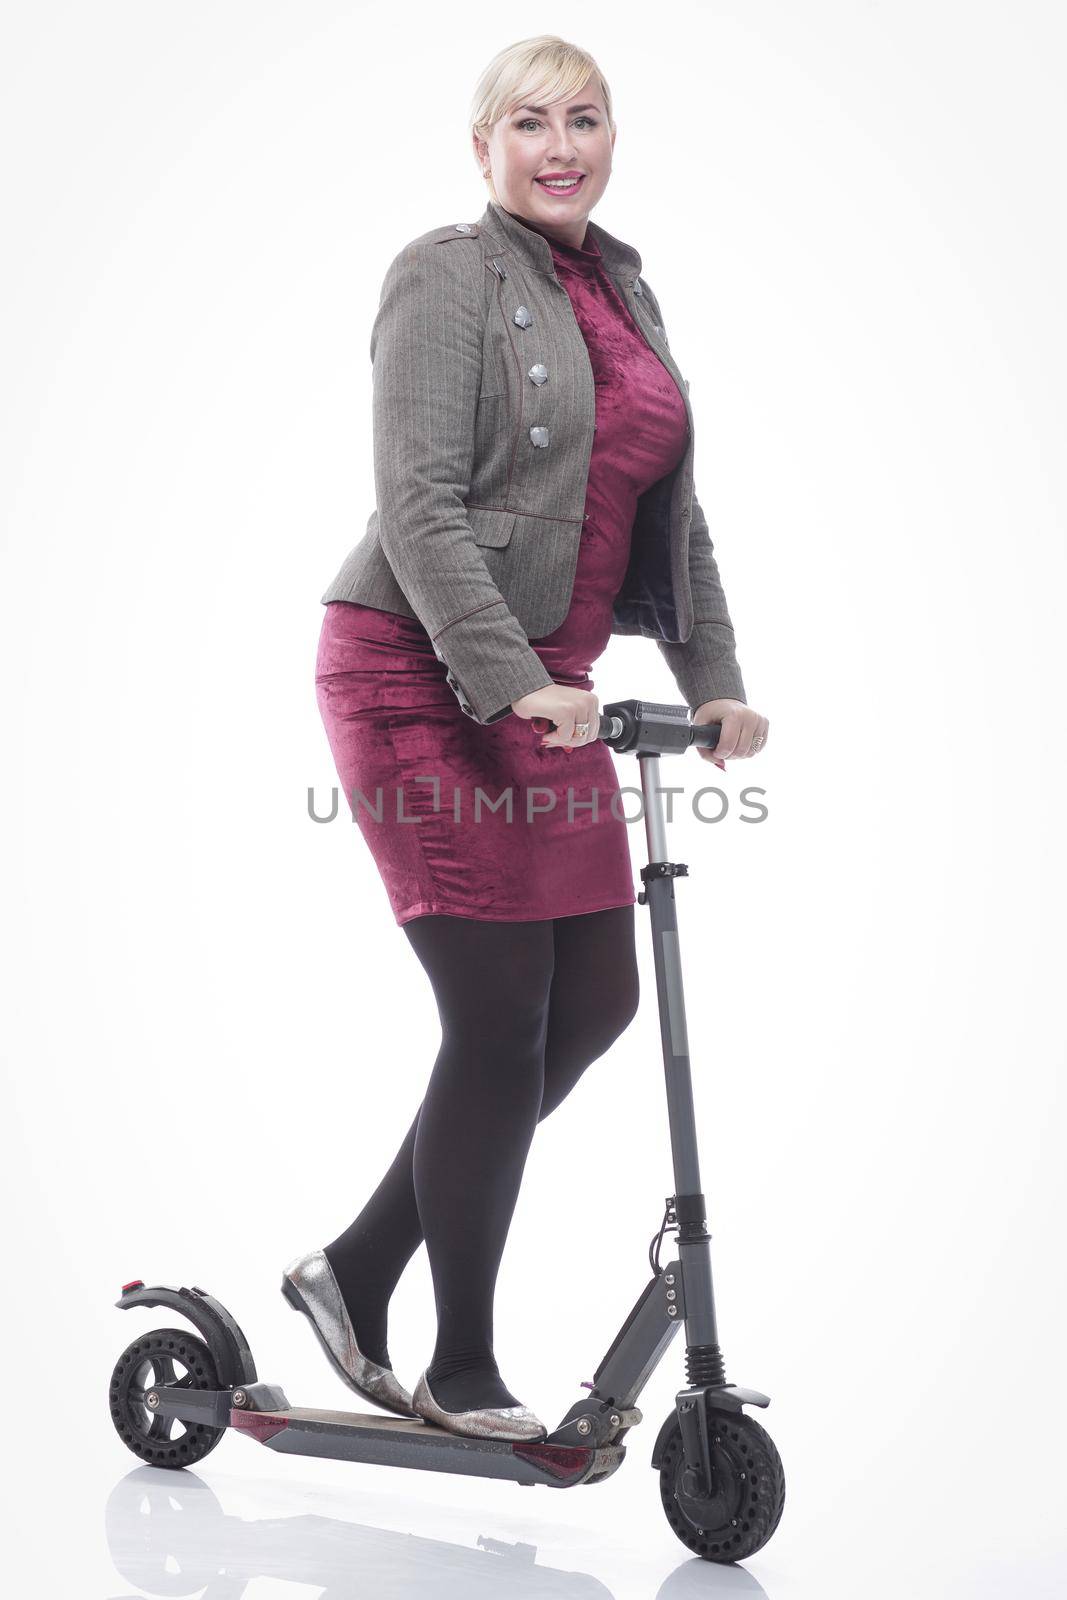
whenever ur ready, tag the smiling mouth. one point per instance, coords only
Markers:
(556, 186)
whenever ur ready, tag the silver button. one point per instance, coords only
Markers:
(459, 692)
(463, 227)
(538, 374)
(523, 318)
(539, 437)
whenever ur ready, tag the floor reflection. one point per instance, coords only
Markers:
(168, 1535)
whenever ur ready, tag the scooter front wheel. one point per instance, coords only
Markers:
(150, 1363)
(747, 1490)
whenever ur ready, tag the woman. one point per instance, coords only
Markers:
(533, 469)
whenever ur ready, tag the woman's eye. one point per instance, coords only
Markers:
(526, 121)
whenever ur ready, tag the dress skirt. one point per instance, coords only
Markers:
(462, 818)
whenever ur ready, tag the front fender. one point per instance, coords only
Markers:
(727, 1397)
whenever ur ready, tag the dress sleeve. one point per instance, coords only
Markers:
(426, 350)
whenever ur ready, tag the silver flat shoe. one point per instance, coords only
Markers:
(310, 1286)
(501, 1422)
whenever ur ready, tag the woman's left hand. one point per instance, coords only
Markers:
(744, 731)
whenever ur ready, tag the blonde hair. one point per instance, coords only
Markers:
(534, 71)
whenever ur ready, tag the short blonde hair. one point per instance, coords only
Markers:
(534, 71)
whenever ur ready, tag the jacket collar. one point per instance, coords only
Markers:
(533, 249)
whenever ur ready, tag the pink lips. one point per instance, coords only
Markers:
(562, 193)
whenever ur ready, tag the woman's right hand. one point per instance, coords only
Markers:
(564, 707)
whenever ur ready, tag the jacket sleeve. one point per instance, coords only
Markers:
(705, 666)
(426, 350)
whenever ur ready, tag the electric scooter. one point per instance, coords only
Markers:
(720, 1476)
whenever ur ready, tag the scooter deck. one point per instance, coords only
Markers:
(412, 1442)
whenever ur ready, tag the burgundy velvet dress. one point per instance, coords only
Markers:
(395, 726)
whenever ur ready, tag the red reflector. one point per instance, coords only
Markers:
(257, 1425)
(557, 1460)
(138, 1283)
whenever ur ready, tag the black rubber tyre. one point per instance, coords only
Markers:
(748, 1490)
(148, 1362)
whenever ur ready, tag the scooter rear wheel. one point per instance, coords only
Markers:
(747, 1491)
(150, 1363)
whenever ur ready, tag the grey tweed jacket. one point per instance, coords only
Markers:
(483, 416)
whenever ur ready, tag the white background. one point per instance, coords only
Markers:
(215, 1035)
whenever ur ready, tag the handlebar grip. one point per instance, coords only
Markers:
(546, 725)
(612, 728)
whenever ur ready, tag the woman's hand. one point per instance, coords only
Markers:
(744, 731)
(566, 708)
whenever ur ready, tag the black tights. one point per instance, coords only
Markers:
(525, 1007)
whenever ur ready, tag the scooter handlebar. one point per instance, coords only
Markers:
(641, 725)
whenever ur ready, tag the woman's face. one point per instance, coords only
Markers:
(532, 143)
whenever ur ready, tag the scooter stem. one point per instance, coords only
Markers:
(703, 1357)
